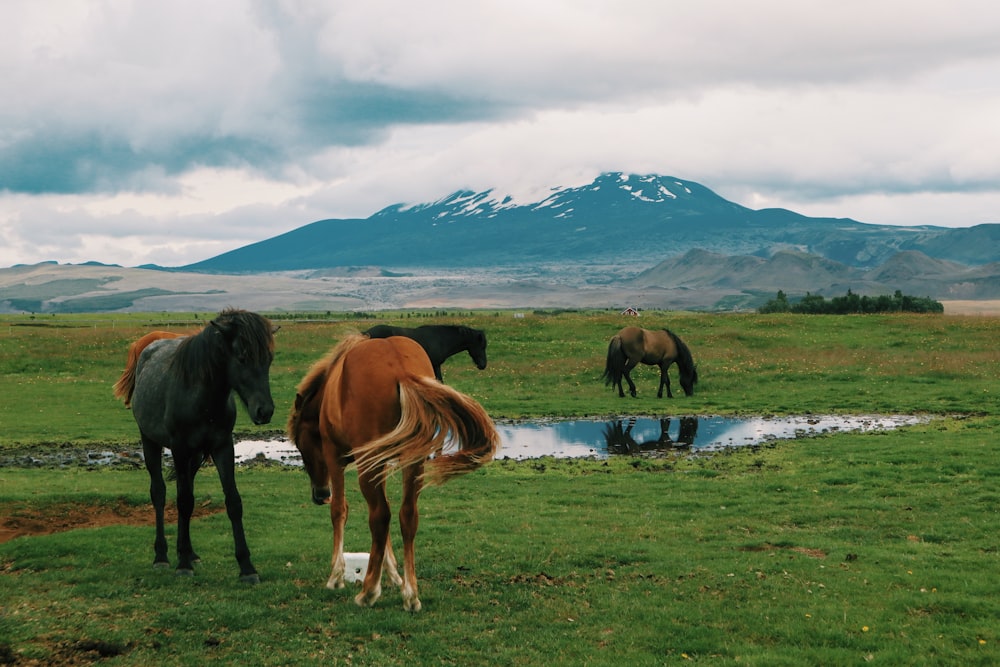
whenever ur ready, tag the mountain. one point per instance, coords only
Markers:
(653, 242)
(628, 220)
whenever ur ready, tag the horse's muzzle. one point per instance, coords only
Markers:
(321, 496)
(262, 413)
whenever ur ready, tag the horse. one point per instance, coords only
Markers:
(633, 345)
(375, 403)
(182, 399)
(440, 341)
(126, 383)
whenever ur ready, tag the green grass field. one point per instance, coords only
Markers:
(845, 549)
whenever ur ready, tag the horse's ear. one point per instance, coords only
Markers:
(223, 329)
(275, 328)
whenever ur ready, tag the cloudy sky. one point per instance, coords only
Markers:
(139, 132)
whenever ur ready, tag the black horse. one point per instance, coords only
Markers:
(440, 341)
(182, 400)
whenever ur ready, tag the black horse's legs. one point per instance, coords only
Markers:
(185, 470)
(224, 458)
(153, 455)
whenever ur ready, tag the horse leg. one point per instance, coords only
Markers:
(338, 517)
(153, 455)
(664, 381)
(183, 468)
(224, 458)
(391, 566)
(408, 520)
(378, 524)
(627, 374)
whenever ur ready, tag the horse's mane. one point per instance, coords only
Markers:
(198, 357)
(685, 361)
(315, 379)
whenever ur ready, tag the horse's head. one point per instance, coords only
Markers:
(688, 380)
(477, 347)
(250, 341)
(303, 430)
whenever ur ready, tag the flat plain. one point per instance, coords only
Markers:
(841, 549)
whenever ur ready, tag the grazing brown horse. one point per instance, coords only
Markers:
(376, 403)
(632, 346)
(126, 383)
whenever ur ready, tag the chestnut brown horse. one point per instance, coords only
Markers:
(633, 345)
(126, 383)
(375, 402)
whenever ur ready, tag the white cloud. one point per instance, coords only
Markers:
(233, 121)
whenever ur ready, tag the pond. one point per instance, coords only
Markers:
(635, 436)
(577, 438)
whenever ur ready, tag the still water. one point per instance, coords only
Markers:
(635, 436)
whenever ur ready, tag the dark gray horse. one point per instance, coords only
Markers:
(182, 401)
(440, 341)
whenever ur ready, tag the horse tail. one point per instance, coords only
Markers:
(431, 412)
(125, 385)
(685, 362)
(614, 367)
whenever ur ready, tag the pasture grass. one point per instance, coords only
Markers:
(58, 370)
(843, 549)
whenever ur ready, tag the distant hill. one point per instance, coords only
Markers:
(616, 219)
(653, 242)
(795, 273)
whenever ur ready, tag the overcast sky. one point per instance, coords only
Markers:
(137, 132)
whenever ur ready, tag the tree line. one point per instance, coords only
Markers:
(813, 304)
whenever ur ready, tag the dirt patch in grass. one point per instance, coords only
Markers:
(67, 653)
(17, 522)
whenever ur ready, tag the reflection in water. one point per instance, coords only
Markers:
(639, 435)
(633, 436)
(619, 439)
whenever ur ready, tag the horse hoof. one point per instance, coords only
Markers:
(412, 606)
(161, 565)
(363, 599)
(253, 578)
(184, 572)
